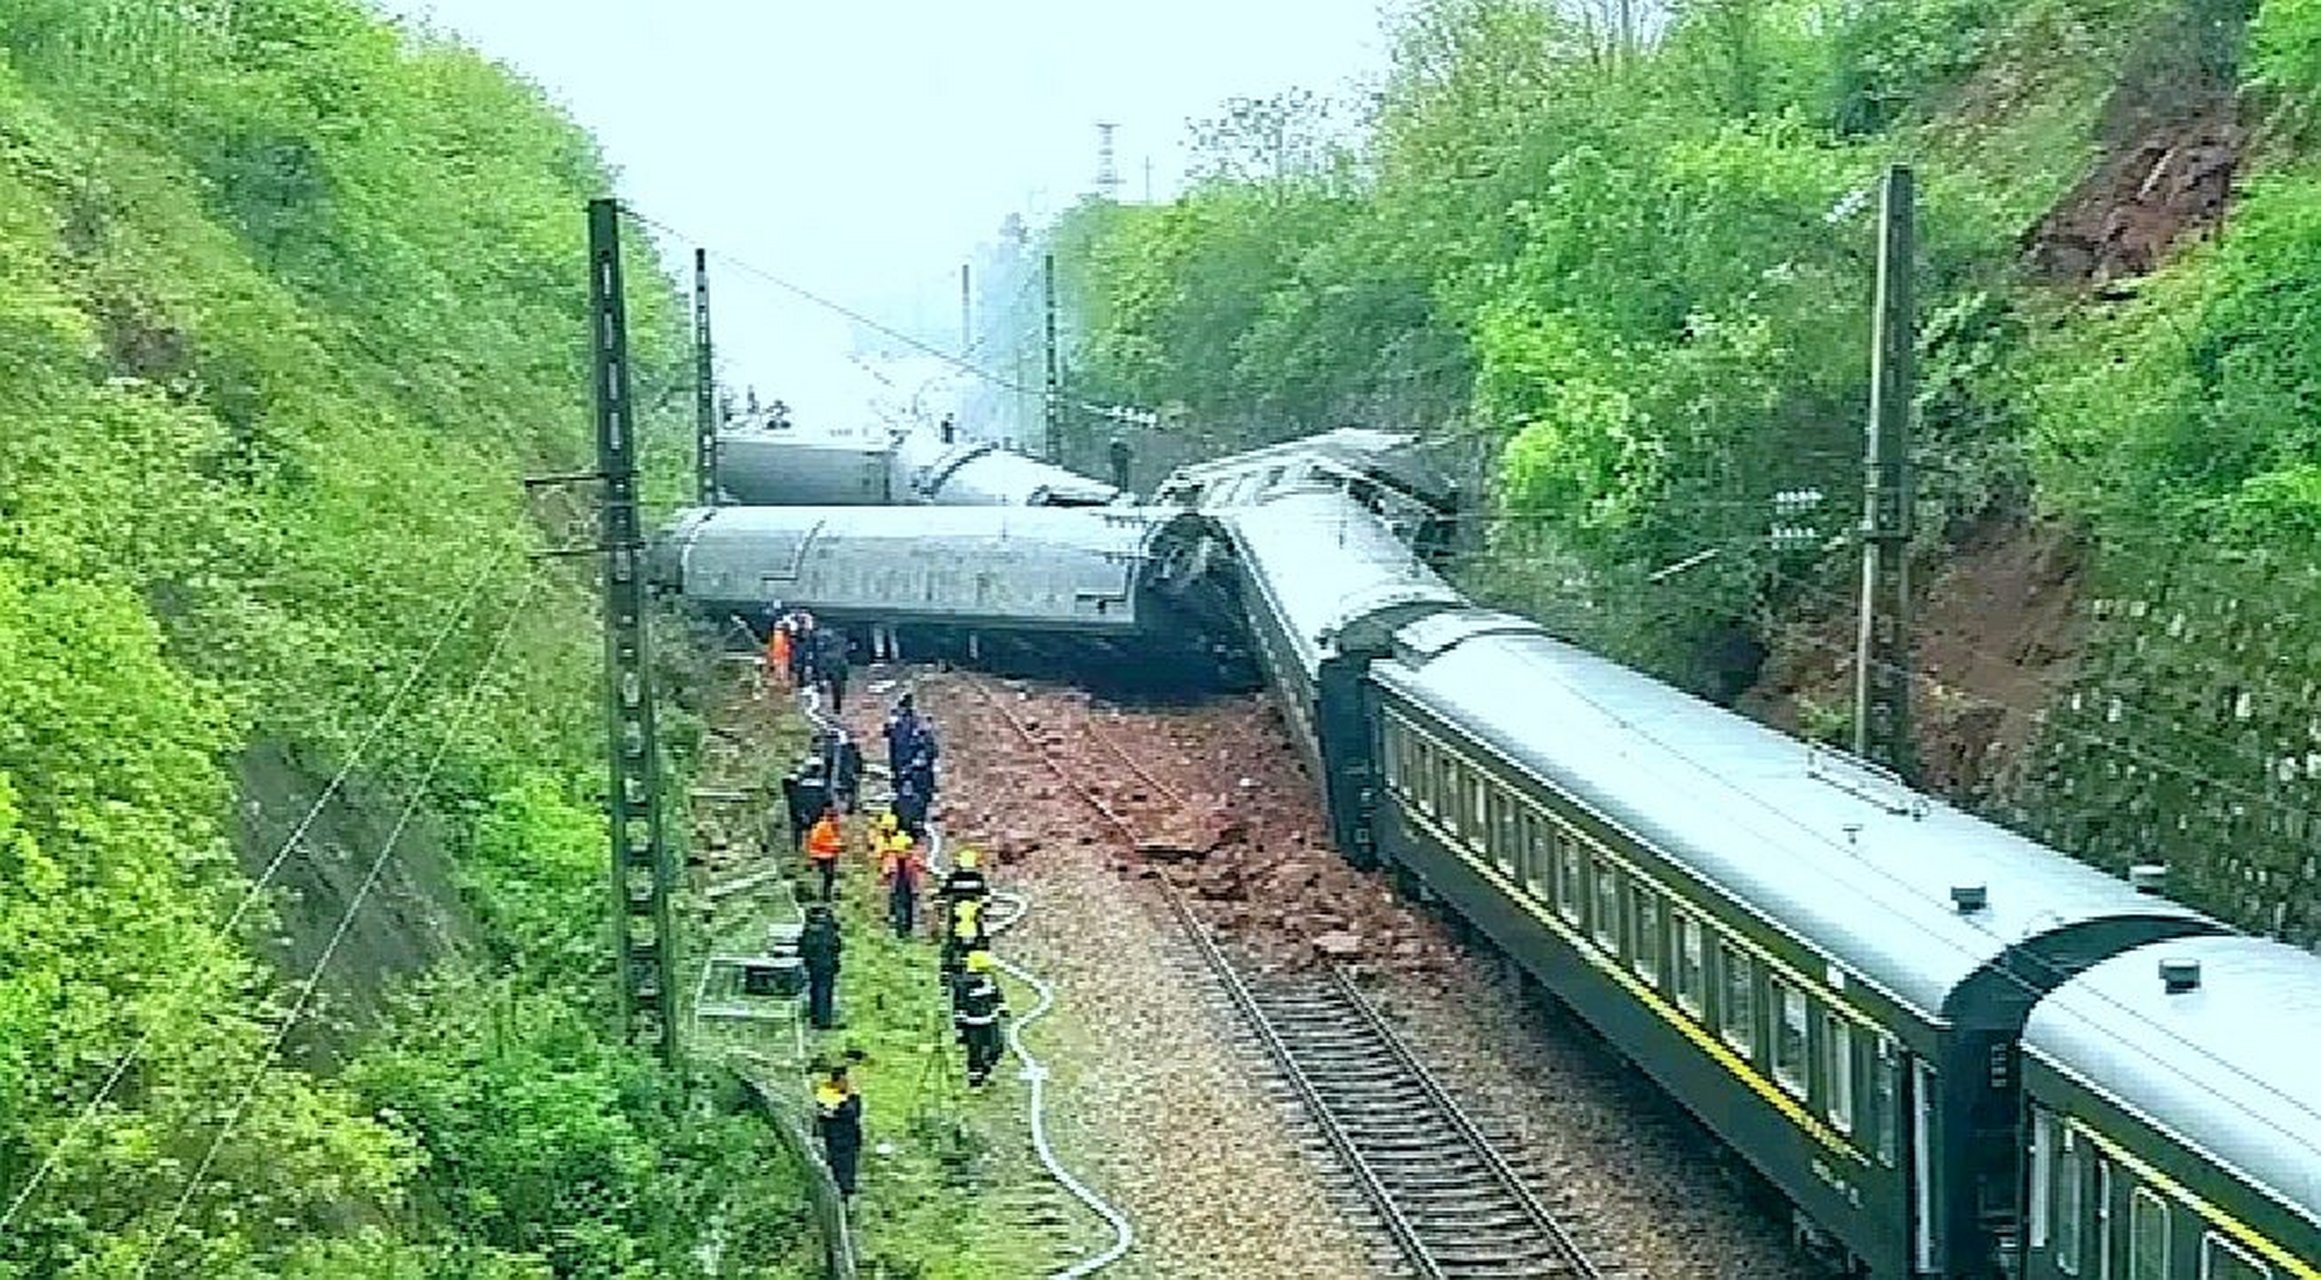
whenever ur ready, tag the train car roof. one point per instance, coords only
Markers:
(1819, 843)
(2118, 1031)
(1326, 565)
(1359, 451)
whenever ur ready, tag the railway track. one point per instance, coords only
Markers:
(1444, 1195)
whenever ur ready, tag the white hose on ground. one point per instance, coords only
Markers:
(1123, 1233)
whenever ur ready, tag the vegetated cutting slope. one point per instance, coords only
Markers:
(1630, 281)
(289, 299)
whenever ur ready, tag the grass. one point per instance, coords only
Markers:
(942, 1166)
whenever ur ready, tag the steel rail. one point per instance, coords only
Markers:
(1333, 1129)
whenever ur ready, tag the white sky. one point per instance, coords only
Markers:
(861, 147)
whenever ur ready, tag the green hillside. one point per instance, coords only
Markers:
(289, 301)
(1624, 280)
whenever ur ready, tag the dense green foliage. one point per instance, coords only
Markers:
(1635, 289)
(289, 300)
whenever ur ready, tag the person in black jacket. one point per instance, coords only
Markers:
(830, 666)
(819, 946)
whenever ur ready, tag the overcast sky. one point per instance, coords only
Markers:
(862, 147)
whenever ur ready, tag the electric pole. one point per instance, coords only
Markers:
(642, 876)
(1055, 397)
(1882, 646)
(966, 311)
(704, 389)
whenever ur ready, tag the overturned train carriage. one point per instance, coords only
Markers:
(789, 465)
(1098, 577)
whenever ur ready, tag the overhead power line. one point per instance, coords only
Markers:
(312, 982)
(120, 1069)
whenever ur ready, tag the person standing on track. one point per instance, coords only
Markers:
(819, 945)
(980, 1005)
(838, 1114)
(823, 845)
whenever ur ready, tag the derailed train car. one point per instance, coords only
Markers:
(1833, 972)
(1124, 578)
(772, 463)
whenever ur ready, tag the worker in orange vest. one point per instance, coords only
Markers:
(823, 845)
(778, 653)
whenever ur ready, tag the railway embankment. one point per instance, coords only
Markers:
(1187, 1125)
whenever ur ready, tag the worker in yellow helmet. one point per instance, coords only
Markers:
(977, 1008)
(903, 871)
(963, 933)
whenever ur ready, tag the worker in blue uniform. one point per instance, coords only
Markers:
(902, 725)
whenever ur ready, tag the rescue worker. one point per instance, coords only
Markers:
(980, 1006)
(778, 654)
(963, 935)
(845, 758)
(831, 664)
(803, 641)
(819, 945)
(838, 1114)
(964, 882)
(902, 726)
(812, 798)
(903, 870)
(794, 804)
(823, 845)
(910, 803)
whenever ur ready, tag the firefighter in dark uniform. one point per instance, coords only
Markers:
(838, 1115)
(963, 934)
(964, 882)
(979, 1007)
(818, 947)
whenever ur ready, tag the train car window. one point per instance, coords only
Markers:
(2070, 1200)
(1885, 1097)
(1645, 932)
(1479, 824)
(1427, 775)
(1507, 832)
(1538, 848)
(1691, 964)
(1789, 1033)
(1568, 894)
(2147, 1236)
(1607, 913)
(2221, 1259)
(1737, 1013)
(1837, 1070)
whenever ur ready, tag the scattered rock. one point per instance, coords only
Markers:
(1338, 944)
